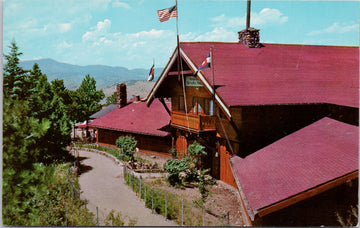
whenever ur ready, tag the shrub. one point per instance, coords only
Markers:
(127, 144)
(205, 181)
(174, 167)
(51, 202)
(195, 151)
(116, 219)
(173, 152)
(185, 170)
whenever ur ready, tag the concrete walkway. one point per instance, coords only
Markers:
(103, 185)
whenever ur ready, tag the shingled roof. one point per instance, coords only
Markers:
(137, 118)
(281, 74)
(103, 111)
(311, 160)
(275, 73)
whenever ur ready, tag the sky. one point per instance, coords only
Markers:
(128, 33)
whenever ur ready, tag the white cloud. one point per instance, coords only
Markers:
(100, 29)
(65, 45)
(55, 28)
(118, 3)
(218, 34)
(265, 17)
(268, 16)
(335, 28)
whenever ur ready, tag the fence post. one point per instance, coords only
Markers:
(124, 171)
(140, 189)
(72, 190)
(203, 210)
(165, 205)
(145, 194)
(228, 215)
(182, 212)
(152, 201)
(97, 216)
(66, 215)
(130, 179)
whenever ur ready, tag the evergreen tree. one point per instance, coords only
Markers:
(14, 75)
(87, 99)
(21, 135)
(111, 99)
(48, 102)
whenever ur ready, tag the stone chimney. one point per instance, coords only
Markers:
(250, 37)
(137, 98)
(121, 97)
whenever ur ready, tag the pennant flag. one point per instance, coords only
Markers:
(205, 64)
(166, 14)
(151, 74)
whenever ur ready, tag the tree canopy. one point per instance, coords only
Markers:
(88, 98)
(37, 118)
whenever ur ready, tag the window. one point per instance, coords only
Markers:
(209, 107)
(181, 103)
(202, 106)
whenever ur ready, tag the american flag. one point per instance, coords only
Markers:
(166, 14)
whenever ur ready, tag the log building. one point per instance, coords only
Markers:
(147, 125)
(255, 95)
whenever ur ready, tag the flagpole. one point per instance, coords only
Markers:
(177, 39)
(212, 72)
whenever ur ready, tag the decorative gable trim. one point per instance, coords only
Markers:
(202, 79)
(206, 84)
(163, 75)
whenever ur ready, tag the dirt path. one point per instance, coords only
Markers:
(102, 184)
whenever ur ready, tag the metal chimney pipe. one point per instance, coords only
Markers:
(248, 14)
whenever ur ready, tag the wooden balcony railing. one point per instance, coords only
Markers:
(197, 123)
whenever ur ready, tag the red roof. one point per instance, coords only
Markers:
(279, 73)
(312, 156)
(136, 118)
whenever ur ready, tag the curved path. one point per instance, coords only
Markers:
(102, 184)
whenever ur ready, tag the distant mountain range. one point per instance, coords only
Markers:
(105, 76)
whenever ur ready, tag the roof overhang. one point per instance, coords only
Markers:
(267, 186)
(251, 213)
(200, 76)
(309, 193)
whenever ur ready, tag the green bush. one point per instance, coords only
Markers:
(51, 202)
(190, 165)
(127, 144)
(174, 167)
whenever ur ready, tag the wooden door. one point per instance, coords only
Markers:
(181, 147)
(226, 174)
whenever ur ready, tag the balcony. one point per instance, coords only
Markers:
(195, 123)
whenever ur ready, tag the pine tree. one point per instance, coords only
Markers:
(21, 135)
(111, 99)
(14, 75)
(88, 99)
(48, 102)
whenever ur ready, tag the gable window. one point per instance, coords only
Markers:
(181, 103)
(202, 106)
(197, 105)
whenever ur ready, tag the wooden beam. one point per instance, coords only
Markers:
(185, 72)
(309, 193)
(161, 99)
